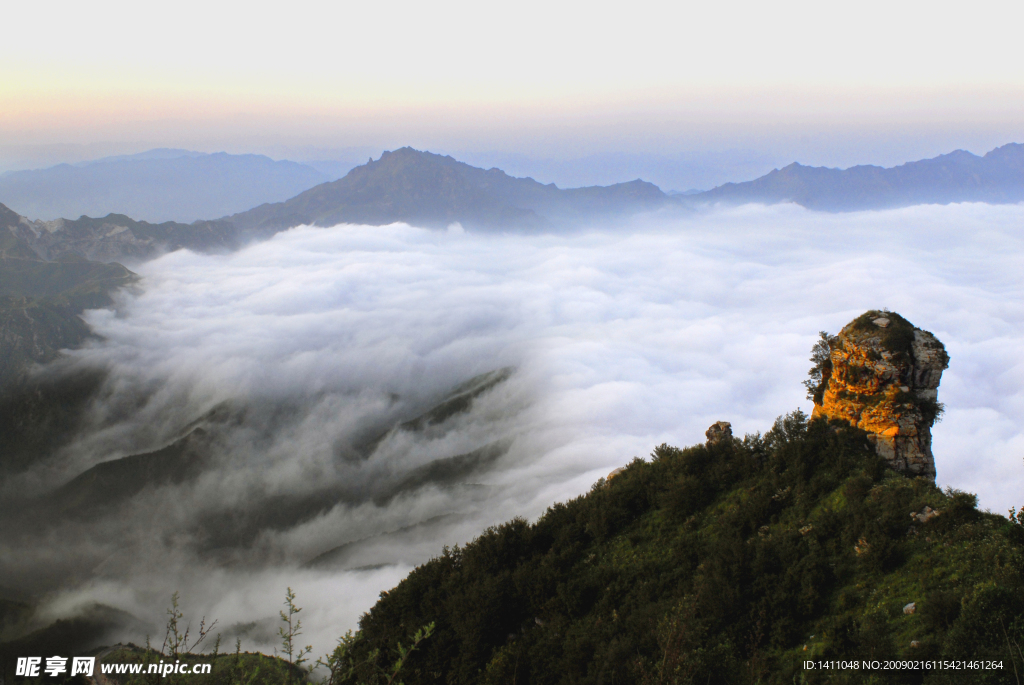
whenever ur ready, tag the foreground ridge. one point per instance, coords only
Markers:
(742, 560)
(732, 561)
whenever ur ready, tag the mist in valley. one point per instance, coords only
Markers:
(340, 403)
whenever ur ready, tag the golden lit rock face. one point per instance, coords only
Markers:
(718, 432)
(884, 378)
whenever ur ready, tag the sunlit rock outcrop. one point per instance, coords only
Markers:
(882, 374)
(719, 431)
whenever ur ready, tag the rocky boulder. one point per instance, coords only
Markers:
(718, 432)
(881, 374)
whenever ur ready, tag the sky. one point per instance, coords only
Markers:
(620, 339)
(822, 83)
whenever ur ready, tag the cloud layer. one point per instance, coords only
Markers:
(622, 339)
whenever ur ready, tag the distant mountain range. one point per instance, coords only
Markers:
(407, 185)
(434, 190)
(673, 172)
(996, 178)
(159, 185)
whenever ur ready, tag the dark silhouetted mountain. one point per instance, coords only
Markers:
(46, 282)
(57, 403)
(94, 625)
(159, 185)
(111, 482)
(431, 190)
(996, 178)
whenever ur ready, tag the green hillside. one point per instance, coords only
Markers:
(40, 306)
(723, 563)
(40, 302)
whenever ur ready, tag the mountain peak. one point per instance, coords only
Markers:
(432, 190)
(1010, 152)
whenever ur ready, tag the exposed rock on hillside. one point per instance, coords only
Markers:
(669, 573)
(882, 375)
(719, 431)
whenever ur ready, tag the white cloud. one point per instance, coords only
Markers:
(623, 339)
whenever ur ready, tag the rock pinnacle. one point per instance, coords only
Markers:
(881, 374)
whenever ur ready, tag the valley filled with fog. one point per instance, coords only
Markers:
(310, 360)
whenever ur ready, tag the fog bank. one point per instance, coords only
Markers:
(620, 340)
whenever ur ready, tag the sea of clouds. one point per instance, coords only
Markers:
(622, 338)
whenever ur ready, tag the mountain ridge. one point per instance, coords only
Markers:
(434, 190)
(959, 176)
(40, 300)
(115, 237)
(407, 185)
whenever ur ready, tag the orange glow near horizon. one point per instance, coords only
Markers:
(596, 73)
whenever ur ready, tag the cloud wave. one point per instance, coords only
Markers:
(621, 339)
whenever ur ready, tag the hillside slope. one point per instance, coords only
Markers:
(116, 237)
(995, 178)
(40, 306)
(730, 562)
(40, 300)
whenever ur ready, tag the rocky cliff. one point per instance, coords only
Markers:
(882, 374)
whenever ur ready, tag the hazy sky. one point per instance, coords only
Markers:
(826, 82)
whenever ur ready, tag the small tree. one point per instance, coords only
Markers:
(1015, 516)
(175, 641)
(343, 668)
(821, 356)
(291, 630)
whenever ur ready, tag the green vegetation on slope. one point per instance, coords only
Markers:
(40, 307)
(724, 563)
(40, 302)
